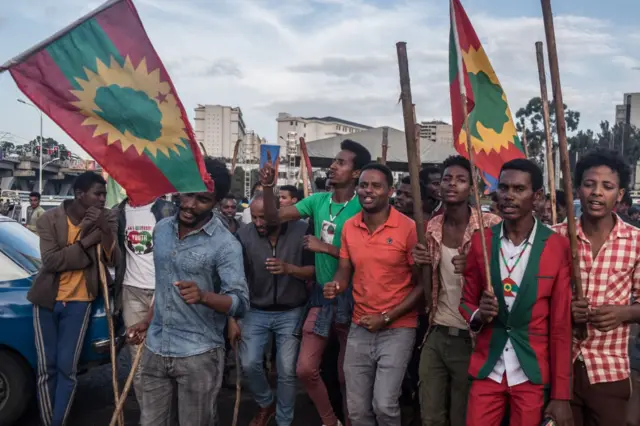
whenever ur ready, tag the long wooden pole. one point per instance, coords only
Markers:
(470, 151)
(234, 159)
(547, 131)
(525, 145)
(385, 144)
(561, 126)
(413, 156)
(112, 344)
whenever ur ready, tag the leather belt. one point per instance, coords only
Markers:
(451, 331)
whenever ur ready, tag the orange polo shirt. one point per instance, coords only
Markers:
(382, 263)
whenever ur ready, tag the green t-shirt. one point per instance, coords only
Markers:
(316, 207)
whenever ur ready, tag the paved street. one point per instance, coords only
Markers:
(94, 403)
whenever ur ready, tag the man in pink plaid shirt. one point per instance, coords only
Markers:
(609, 252)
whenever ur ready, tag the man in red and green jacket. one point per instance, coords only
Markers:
(522, 354)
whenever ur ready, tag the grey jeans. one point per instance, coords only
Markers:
(196, 380)
(374, 367)
(136, 303)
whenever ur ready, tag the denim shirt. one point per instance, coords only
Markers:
(212, 258)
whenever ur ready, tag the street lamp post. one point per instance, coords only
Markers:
(41, 140)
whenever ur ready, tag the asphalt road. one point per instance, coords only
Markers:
(94, 406)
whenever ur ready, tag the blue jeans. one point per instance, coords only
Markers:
(256, 326)
(59, 338)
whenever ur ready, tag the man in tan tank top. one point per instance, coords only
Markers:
(444, 360)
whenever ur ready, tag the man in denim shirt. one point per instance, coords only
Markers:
(199, 281)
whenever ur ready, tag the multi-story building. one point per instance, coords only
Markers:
(436, 132)
(251, 146)
(314, 128)
(217, 128)
(629, 111)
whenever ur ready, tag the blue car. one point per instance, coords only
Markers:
(19, 264)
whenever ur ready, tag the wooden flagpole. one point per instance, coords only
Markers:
(474, 174)
(413, 156)
(562, 142)
(547, 132)
(525, 145)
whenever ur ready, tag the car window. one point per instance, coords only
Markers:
(20, 245)
(9, 270)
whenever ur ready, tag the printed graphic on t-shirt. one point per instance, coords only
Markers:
(328, 232)
(140, 239)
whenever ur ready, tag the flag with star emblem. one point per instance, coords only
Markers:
(493, 134)
(102, 81)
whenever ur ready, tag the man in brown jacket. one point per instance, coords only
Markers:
(68, 281)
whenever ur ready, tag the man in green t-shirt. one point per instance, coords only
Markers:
(329, 211)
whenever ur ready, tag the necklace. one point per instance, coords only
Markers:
(331, 216)
(509, 286)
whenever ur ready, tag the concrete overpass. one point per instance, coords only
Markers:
(22, 173)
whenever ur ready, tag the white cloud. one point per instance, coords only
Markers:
(330, 57)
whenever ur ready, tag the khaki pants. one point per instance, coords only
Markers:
(136, 303)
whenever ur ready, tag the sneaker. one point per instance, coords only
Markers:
(264, 416)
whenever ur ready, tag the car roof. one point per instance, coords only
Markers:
(6, 219)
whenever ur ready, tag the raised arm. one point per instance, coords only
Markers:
(272, 215)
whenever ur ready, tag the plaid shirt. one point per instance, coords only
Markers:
(434, 247)
(612, 278)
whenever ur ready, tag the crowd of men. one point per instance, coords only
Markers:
(502, 342)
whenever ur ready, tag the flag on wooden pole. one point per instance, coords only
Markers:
(101, 80)
(493, 133)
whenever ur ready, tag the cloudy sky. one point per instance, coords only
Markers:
(338, 57)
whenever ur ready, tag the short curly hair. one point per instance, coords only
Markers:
(604, 157)
(218, 171)
(457, 160)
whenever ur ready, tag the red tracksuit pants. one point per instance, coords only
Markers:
(488, 402)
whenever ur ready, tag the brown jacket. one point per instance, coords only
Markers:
(58, 256)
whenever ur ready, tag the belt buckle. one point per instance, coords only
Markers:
(453, 331)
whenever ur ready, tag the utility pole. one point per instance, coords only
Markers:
(41, 140)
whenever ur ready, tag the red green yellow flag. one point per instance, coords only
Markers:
(102, 81)
(493, 134)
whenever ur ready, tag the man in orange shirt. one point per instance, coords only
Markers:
(65, 287)
(376, 249)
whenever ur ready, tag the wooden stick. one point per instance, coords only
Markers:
(385, 144)
(470, 151)
(304, 156)
(562, 142)
(112, 343)
(525, 145)
(234, 160)
(305, 178)
(413, 155)
(547, 131)
(236, 408)
(127, 385)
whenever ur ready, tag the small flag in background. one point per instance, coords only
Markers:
(115, 193)
(493, 134)
(102, 81)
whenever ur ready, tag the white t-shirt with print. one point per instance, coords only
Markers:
(139, 247)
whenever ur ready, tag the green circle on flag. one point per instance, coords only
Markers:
(129, 110)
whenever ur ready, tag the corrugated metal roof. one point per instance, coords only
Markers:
(430, 152)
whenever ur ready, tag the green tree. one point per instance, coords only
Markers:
(531, 117)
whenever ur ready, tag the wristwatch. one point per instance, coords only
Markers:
(385, 317)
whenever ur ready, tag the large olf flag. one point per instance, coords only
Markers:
(493, 134)
(102, 81)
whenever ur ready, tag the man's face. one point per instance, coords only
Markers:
(546, 216)
(257, 217)
(404, 199)
(195, 208)
(373, 191)
(599, 191)
(434, 186)
(287, 198)
(561, 213)
(455, 185)
(623, 208)
(635, 215)
(229, 208)
(96, 196)
(342, 171)
(516, 197)
(34, 201)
